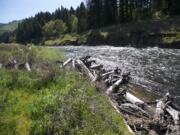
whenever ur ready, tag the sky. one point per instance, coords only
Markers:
(19, 9)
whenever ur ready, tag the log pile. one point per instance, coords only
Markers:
(140, 116)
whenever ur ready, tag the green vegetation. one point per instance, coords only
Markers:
(173, 39)
(136, 34)
(51, 100)
(34, 55)
(54, 28)
(63, 40)
(10, 27)
(73, 24)
(113, 22)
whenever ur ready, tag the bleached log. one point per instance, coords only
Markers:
(95, 77)
(107, 74)
(136, 101)
(115, 106)
(27, 66)
(1, 65)
(116, 84)
(85, 69)
(132, 99)
(107, 80)
(15, 64)
(73, 64)
(125, 110)
(159, 114)
(67, 62)
(96, 67)
(174, 114)
(114, 80)
(134, 108)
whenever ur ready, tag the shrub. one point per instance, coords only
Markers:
(54, 28)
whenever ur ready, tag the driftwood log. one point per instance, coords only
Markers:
(1, 65)
(164, 115)
(85, 70)
(27, 66)
(115, 85)
(66, 62)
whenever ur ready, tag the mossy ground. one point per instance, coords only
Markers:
(53, 101)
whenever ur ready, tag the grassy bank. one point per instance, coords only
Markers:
(163, 33)
(49, 100)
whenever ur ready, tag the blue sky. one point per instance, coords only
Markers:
(18, 9)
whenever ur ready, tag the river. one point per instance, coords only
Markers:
(156, 70)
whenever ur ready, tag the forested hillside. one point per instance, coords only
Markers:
(9, 27)
(93, 14)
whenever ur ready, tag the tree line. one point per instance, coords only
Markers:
(92, 15)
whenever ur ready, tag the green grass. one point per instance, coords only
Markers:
(68, 39)
(63, 40)
(32, 104)
(53, 101)
(30, 53)
(170, 40)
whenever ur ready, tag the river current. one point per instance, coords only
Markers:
(156, 70)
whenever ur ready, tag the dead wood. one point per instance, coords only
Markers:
(165, 116)
(85, 70)
(115, 85)
(66, 62)
(97, 67)
(27, 66)
(134, 109)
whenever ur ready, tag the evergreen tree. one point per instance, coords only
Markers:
(95, 10)
(81, 13)
(28, 30)
(72, 24)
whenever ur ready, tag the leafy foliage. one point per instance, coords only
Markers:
(94, 15)
(54, 28)
(63, 106)
(73, 24)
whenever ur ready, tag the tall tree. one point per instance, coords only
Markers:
(81, 13)
(95, 9)
(72, 24)
(28, 30)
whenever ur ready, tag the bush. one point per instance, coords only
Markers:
(54, 28)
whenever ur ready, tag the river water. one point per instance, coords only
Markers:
(156, 70)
